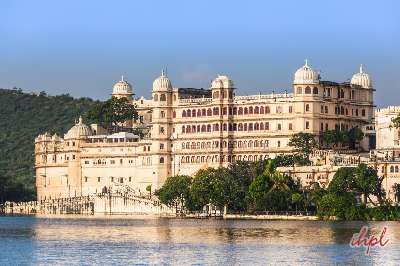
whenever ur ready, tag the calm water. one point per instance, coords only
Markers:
(141, 240)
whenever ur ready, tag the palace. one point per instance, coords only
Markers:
(187, 129)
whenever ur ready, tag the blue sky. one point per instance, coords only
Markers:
(83, 47)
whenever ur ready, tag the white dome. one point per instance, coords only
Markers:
(362, 79)
(306, 75)
(162, 83)
(122, 87)
(79, 130)
(222, 81)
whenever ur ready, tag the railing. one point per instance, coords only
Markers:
(265, 96)
(286, 213)
(196, 100)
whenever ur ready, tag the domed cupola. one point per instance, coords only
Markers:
(222, 82)
(361, 79)
(306, 75)
(78, 131)
(122, 88)
(162, 83)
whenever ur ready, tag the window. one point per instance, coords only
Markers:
(322, 108)
(73, 157)
(86, 178)
(299, 90)
(163, 98)
(162, 114)
(174, 114)
(161, 159)
(183, 113)
(307, 90)
(279, 127)
(155, 97)
(307, 107)
(162, 130)
(307, 125)
(216, 95)
(161, 146)
(363, 112)
(326, 109)
(290, 109)
(290, 126)
(279, 143)
(267, 110)
(130, 179)
(112, 161)
(315, 90)
(98, 179)
(279, 109)
(86, 162)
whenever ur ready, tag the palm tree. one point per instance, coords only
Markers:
(279, 182)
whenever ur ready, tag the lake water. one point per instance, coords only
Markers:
(146, 240)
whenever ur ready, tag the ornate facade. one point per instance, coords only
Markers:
(188, 129)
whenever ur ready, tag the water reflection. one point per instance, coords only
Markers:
(149, 240)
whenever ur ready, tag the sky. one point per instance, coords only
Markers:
(83, 47)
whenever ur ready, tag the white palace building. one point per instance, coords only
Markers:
(188, 129)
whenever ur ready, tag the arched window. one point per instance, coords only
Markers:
(203, 112)
(224, 127)
(216, 95)
(299, 90)
(240, 128)
(240, 112)
(267, 110)
(307, 107)
(363, 112)
(208, 128)
(256, 126)
(174, 114)
(209, 112)
(315, 90)
(266, 125)
(174, 97)
(396, 168)
(199, 112)
(391, 169)
(183, 113)
(256, 110)
(203, 128)
(161, 159)
(187, 129)
(245, 127)
(235, 110)
(193, 113)
(155, 97)
(279, 127)
(188, 113)
(262, 110)
(183, 129)
(250, 126)
(163, 98)
(261, 126)
(246, 111)
(251, 110)
(307, 90)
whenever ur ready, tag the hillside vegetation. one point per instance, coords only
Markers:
(23, 116)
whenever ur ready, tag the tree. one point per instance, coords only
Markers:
(366, 182)
(175, 190)
(303, 142)
(111, 113)
(343, 181)
(355, 135)
(296, 199)
(396, 121)
(201, 189)
(396, 189)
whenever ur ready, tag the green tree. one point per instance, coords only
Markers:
(303, 142)
(175, 190)
(297, 198)
(202, 187)
(366, 182)
(343, 181)
(396, 121)
(396, 189)
(111, 113)
(355, 135)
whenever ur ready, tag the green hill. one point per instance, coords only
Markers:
(23, 116)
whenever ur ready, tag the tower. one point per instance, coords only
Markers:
(162, 129)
